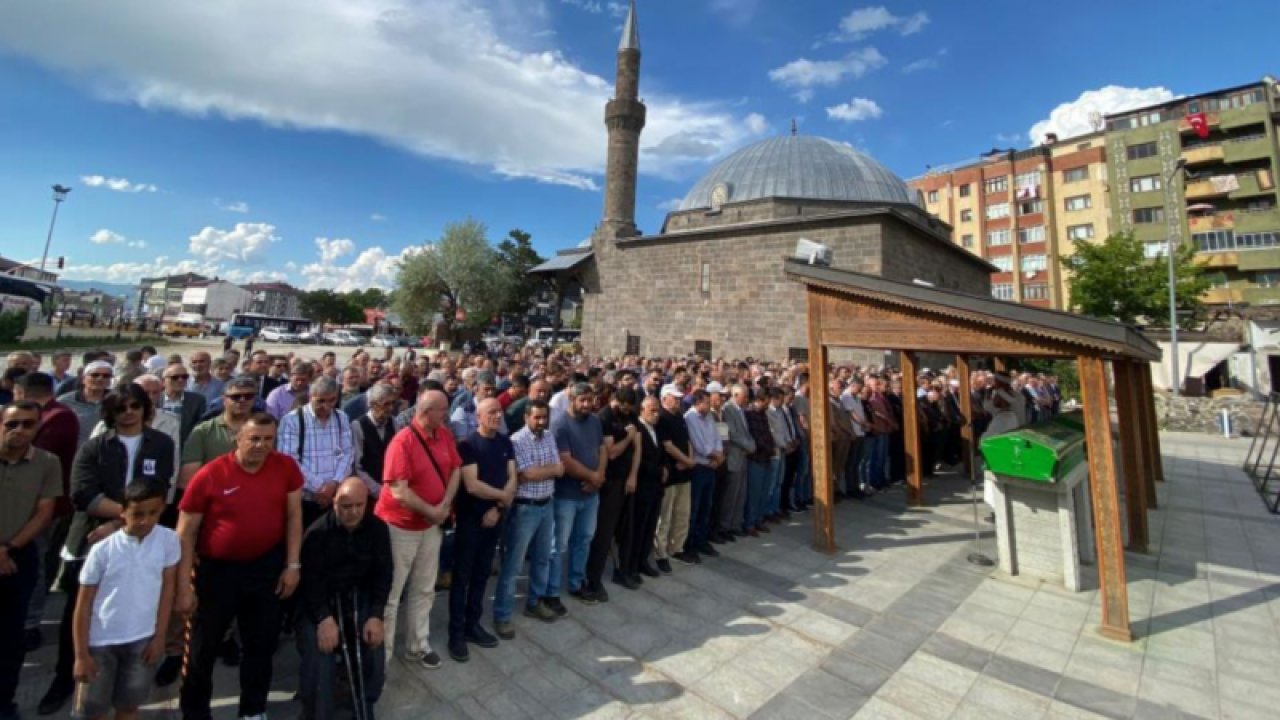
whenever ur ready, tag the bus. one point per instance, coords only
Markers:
(244, 325)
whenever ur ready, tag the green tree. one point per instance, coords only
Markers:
(1114, 279)
(327, 306)
(368, 298)
(517, 255)
(460, 271)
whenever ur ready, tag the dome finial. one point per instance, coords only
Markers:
(793, 127)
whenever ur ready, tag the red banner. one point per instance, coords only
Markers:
(1199, 123)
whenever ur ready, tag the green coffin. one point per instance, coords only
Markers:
(1041, 453)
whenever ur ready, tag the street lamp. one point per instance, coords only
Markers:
(1175, 380)
(59, 194)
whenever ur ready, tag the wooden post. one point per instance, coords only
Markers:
(824, 524)
(911, 431)
(1106, 503)
(966, 409)
(1000, 366)
(1149, 453)
(1153, 431)
(1131, 459)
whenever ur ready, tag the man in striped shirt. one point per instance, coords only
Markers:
(531, 522)
(318, 437)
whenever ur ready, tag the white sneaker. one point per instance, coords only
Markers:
(259, 716)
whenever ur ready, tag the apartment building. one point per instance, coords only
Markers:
(274, 298)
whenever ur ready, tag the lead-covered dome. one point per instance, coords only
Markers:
(797, 166)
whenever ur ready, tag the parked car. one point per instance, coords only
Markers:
(384, 341)
(311, 337)
(409, 341)
(276, 334)
(342, 337)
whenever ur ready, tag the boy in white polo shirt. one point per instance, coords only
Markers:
(126, 595)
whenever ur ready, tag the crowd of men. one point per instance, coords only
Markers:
(193, 509)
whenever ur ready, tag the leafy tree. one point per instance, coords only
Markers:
(517, 255)
(327, 306)
(460, 271)
(1114, 279)
(368, 298)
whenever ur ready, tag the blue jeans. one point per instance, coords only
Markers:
(773, 501)
(702, 494)
(877, 449)
(575, 526)
(529, 530)
(318, 672)
(758, 475)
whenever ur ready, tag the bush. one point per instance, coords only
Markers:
(12, 326)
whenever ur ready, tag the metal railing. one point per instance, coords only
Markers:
(1258, 463)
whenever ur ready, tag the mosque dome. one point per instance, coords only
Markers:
(797, 166)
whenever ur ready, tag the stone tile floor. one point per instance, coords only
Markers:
(895, 625)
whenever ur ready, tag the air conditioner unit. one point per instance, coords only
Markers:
(812, 252)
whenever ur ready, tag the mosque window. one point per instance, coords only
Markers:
(705, 279)
(633, 344)
(702, 348)
(796, 354)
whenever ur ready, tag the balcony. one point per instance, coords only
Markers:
(1262, 295)
(1247, 148)
(1241, 117)
(1212, 119)
(1205, 223)
(1222, 296)
(1259, 221)
(1217, 260)
(1198, 189)
(1261, 259)
(1201, 154)
(1251, 185)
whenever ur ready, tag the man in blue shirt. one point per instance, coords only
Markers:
(579, 436)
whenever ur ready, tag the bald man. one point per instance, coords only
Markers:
(346, 578)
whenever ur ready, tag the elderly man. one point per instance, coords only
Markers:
(514, 416)
(30, 483)
(488, 489)
(371, 434)
(87, 401)
(646, 500)
(738, 445)
(189, 407)
(462, 419)
(318, 437)
(467, 392)
(293, 394)
(352, 385)
(421, 475)
(673, 523)
(346, 578)
(580, 439)
(242, 516)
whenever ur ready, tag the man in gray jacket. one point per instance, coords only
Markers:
(739, 445)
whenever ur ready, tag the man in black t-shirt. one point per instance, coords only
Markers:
(673, 522)
(488, 488)
(620, 439)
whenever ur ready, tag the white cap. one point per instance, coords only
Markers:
(671, 391)
(715, 388)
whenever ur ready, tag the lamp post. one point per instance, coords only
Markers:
(59, 194)
(1175, 380)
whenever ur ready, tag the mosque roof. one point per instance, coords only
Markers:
(797, 166)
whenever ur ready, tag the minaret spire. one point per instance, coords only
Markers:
(630, 31)
(624, 116)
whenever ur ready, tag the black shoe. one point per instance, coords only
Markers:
(230, 652)
(55, 697)
(32, 639)
(169, 670)
(650, 571)
(709, 551)
(10, 712)
(458, 650)
(665, 566)
(585, 595)
(729, 536)
(635, 577)
(429, 660)
(627, 581)
(556, 606)
(601, 594)
(687, 557)
(717, 538)
(480, 637)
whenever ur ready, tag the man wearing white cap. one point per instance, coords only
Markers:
(86, 402)
(673, 522)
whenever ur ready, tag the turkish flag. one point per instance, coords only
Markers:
(1199, 123)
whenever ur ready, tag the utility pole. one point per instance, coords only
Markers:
(59, 194)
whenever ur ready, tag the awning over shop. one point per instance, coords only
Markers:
(1195, 360)
(563, 262)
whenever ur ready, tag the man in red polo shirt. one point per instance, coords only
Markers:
(242, 516)
(421, 475)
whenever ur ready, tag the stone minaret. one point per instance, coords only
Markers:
(624, 116)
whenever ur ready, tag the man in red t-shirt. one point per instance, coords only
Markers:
(421, 473)
(242, 516)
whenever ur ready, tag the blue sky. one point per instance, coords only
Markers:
(315, 140)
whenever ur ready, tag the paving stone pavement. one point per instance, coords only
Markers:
(895, 625)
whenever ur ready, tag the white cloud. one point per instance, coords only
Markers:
(757, 124)
(684, 144)
(464, 80)
(106, 237)
(803, 75)
(131, 272)
(246, 243)
(865, 21)
(378, 217)
(670, 205)
(373, 267)
(1008, 138)
(595, 7)
(855, 110)
(239, 206)
(115, 183)
(331, 250)
(1073, 118)
(921, 64)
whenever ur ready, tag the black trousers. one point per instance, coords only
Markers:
(791, 463)
(473, 549)
(15, 593)
(717, 496)
(642, 523)
(64, 666)
(613, 504)
(244, 592)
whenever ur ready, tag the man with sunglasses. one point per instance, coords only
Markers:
(86, 402)
(30, 483)
(188, 406)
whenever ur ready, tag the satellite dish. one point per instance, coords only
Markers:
(1095, 120)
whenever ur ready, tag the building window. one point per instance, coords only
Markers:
(1031, 208)
(706, 278)
(1080, 232)
(996, 185)
(1078, 202)
(967, 240)
(1031, 235)
(1267, 278)
(997, 237)
(1146, 216)
(1142, 150)
(1035, 291)
(966, 215)
(1002, 291)
(1146, 183)
(998, 210)
(933, 196)
(1027, 179)
(1257, 239)
(1154, 248)
(1035, 263)
(798, 354)
(1075, 175)
(1214, 241)
(1217, 280)
(964, 190)
(1003, 262)
(633, 344)
(702, 348)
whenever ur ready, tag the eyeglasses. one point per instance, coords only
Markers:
(240, 397)
(24, 424)
(104, 376)
(176, 377)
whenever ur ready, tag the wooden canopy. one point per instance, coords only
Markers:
(848, 309)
